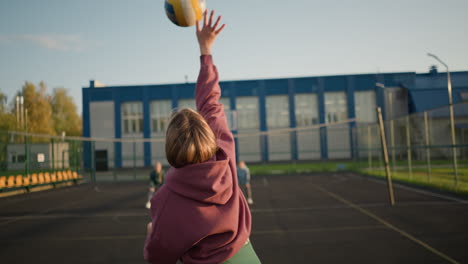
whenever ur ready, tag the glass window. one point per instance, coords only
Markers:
(247, 112)
(335, 107)
(187, 103)
(277, 111)
(364, 105)
(306, 109)
(160, 113)
(132, 117)
(226, 103)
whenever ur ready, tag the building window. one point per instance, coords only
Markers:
(132, 117)
(160, 114)
(364, 102)
(187, 103)
(277, 108)
(335, 107)
(247, 112)
(226, 103)
(20, 158)
(306, 109)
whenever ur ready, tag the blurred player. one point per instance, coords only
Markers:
(156, 180)
(243, 176)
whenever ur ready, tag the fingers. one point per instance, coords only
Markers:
(205, 19)
(220, 29)
(217, 22)
(210, 21)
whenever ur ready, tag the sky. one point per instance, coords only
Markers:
(66, 43)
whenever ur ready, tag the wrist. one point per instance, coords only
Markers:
(205, 50)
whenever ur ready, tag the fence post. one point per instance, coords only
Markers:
(369, 147)
(392, 144)
(134, 159)
(428, 149)
(408, 147)
(63, 159)
(53, 155)
(26, 152)
(114, 169)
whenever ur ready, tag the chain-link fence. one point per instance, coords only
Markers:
(27, 155)
(420, 148)
(419, 145)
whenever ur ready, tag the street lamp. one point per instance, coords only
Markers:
(452, 122)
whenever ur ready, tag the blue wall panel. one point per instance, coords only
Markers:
(323, 130)
(305, 85)
(276, 87)
(129, 94)
(159, 92)
(146, 127)
(292, 119)
(334, 83)
(263, 123)
(118, 128)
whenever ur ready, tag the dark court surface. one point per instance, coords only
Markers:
(318, 218)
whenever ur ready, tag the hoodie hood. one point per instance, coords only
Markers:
(208, 182)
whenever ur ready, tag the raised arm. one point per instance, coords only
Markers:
(208, 92)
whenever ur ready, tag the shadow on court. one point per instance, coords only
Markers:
(318, 218)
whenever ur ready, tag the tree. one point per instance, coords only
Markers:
(65, 114)
(39, 112)
(7, 119)
(3, 102)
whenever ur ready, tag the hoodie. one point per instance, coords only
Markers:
(200, 216)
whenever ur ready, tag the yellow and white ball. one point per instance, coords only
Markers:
(184, 13)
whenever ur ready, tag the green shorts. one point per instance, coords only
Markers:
(246, 255)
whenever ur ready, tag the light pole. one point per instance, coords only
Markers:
(452, 122)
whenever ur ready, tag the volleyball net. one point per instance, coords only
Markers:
(131, 157)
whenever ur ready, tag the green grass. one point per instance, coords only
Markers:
(295, 168)
(441, 177)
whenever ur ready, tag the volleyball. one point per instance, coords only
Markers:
(184, 13)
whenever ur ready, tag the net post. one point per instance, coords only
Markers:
(385, 154)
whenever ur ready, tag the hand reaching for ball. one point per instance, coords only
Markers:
(207, 34)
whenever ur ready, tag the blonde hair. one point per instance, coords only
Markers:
(189, 139)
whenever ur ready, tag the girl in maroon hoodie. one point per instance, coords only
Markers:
(199, 215)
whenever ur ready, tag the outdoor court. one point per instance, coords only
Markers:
(316, 218)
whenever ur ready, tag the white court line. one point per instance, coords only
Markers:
(387, 224)
(141, 236)
(255, 210)
(324, 207)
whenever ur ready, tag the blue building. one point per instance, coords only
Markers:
(262, 106)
